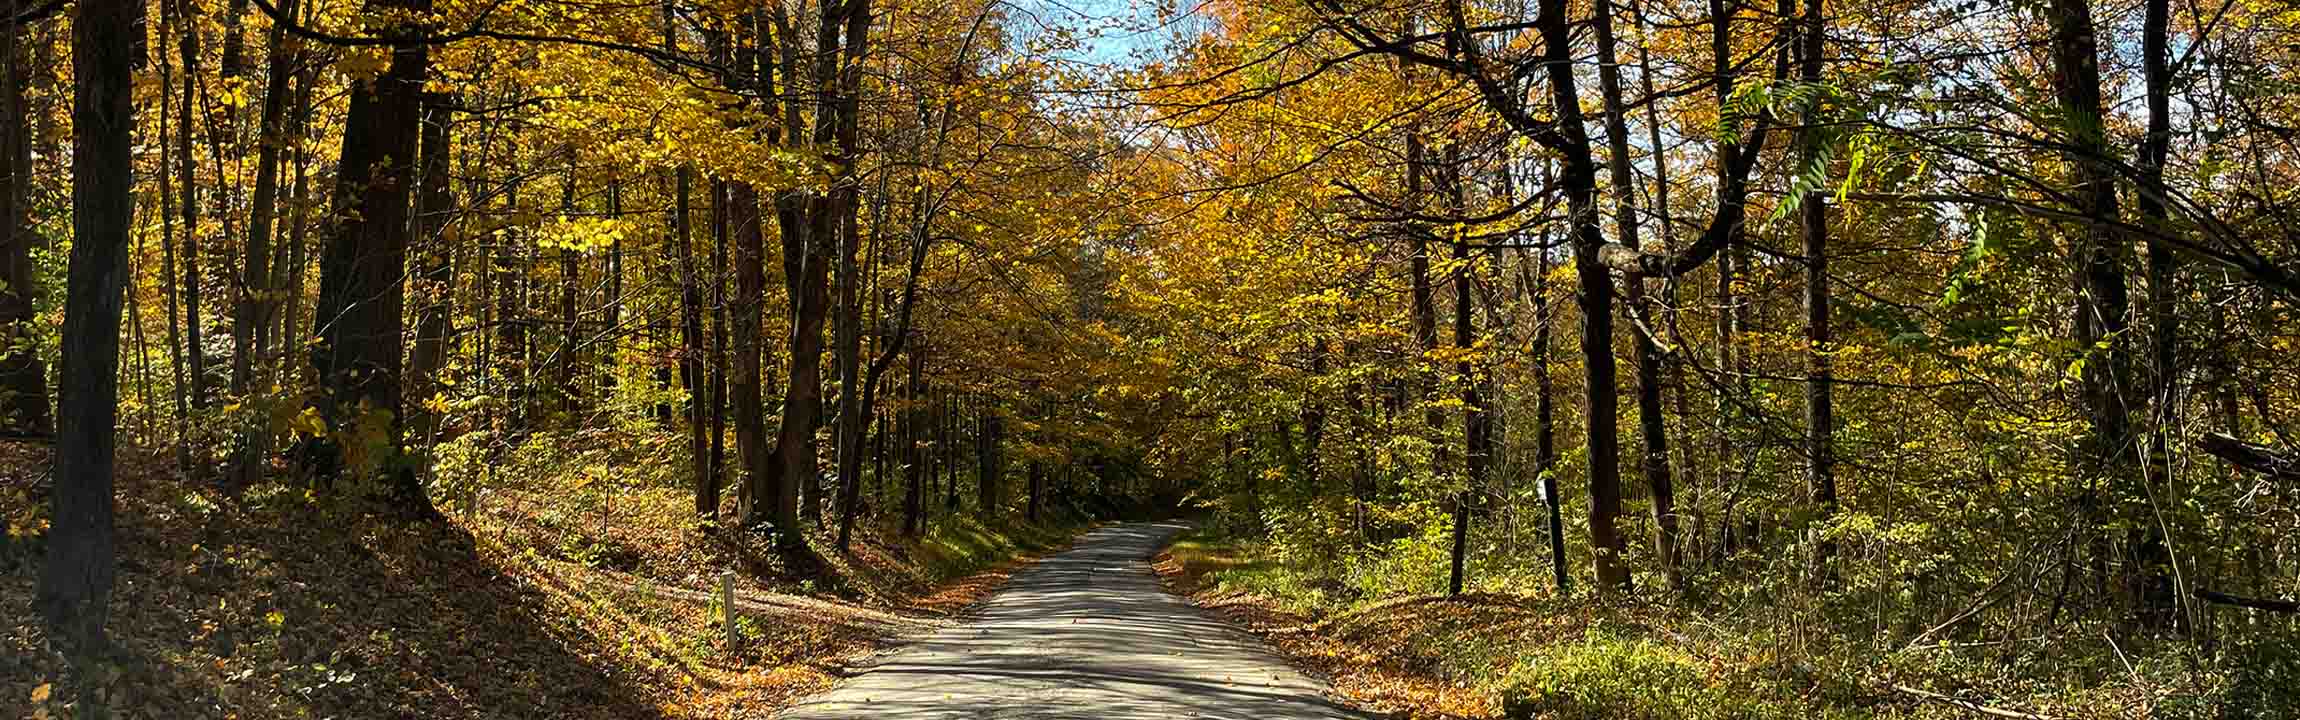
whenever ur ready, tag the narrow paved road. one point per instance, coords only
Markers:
(1086, 634)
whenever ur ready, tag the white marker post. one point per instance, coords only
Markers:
(727, 604)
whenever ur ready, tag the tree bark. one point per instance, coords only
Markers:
(358, 320)
(851, 408)
(1544, 413)
(2153, 586)
(1595, 298)
(435, 203)
(2098, 258)
(745, 318)
(76, 582)
(171, 277)
(691, 346)
(570, 328)
(1474, 412)
(1813, 222)
(195, 354)
(914, 459)
(746, 498)
(1652, 426)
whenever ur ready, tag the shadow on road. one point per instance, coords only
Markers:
(1087, 634)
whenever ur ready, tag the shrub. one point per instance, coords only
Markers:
(1611, 677)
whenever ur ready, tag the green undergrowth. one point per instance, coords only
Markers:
(1512, 648)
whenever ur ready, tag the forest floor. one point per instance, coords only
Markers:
(277, 604)
(1485, 656)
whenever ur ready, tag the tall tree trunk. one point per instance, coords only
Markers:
(435, 203)
(746, 320)
(23, 379)
(2098, 259)
(1474, 412)
(1595, 298)
(359, 319)
(915, 460)
(76, 582)
(570, 326)
(989, 480)
(850, 420)
(1687, 468)
(1813, 212)
(746, 498)
(171, 271)
(251, 319)
(1653, 462)
(2153, 588)
(1732, 309)
(610, 340)
(512, 274)
(188, 50)
(1037, 490)
(691, 346)
(299, 219)
(1545, 415)
(1423, 299)
(949, 418)
(224, 140)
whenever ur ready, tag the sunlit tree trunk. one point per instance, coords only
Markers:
(435, 203)
(188, 53)
(1578, 176)
(1813, 225)
(1653, 430)
(691, 345)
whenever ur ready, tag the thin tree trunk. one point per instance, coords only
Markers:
(251, 319)
(23, 378)
(747, 498)
(435, 203)
(915, 460)
(1474, 412)
(298, 249)
(2153, 586)
(1545, 412)
(188, 50)
(1651, 420)
(1595, 298)
(171, 277)
(570, 327)
(1820, 416)
(1687, 468)
(691, 347)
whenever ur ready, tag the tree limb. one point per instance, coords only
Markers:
(2276, 465)
(2268, 604)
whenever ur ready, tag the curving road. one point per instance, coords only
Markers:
(1087, 635)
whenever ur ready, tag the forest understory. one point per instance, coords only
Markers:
(1504, 654)
(277, 605)
(1550, 358)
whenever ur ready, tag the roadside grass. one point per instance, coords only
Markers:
(550, 597)
(1487, 655)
